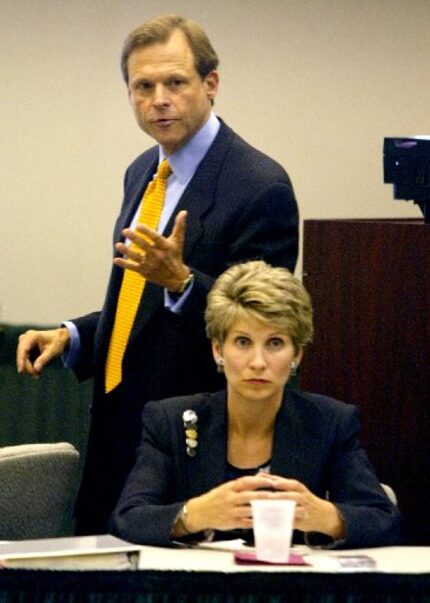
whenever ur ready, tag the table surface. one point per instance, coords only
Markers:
(394, 560)
(86, 553)
(193, 575)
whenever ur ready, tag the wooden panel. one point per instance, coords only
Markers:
(370, 285)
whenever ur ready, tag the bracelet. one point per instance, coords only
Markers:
(181, 519)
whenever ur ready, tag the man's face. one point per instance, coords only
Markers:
(170, 100)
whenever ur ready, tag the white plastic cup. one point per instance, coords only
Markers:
(273, 529)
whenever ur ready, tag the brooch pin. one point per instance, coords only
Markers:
(189, 418)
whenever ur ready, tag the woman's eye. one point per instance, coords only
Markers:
(276, 343)
(242, 341)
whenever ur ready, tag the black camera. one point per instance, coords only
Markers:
(407, 167)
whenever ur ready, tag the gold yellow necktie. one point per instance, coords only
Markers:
(133, 283)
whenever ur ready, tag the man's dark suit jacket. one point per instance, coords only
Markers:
(315, 441)
(241, 206)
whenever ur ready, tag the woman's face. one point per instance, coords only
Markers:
(257, 360)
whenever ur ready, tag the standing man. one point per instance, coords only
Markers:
(221, 202)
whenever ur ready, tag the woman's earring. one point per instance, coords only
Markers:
(220, 364)
(293, 368)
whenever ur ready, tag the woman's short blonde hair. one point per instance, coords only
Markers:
(256, 289)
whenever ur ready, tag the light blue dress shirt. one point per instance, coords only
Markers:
(183, 163)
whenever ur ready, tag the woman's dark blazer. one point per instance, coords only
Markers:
(315, 441)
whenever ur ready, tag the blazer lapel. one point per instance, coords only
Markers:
(135, 194)
(289, 452)
(199, 195)
(197, 198)
(212, 444)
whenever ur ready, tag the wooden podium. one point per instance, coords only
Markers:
(370, 285)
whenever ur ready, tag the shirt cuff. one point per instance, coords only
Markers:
(174, 303)
(70, 356)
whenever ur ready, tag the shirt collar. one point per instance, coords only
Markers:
(185, 160)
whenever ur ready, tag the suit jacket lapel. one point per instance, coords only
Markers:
(212, 443)
(199, 195)
(289, 452)
(292, 449)
(197, 198)
(294, 445)
(135, 193)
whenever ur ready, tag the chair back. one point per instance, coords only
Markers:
(36, 486)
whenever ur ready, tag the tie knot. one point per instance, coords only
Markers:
(164, 170)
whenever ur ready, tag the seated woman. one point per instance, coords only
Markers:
(203, 458)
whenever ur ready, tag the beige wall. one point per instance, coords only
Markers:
(317, 84)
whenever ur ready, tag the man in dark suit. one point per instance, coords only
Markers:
(225, 202)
